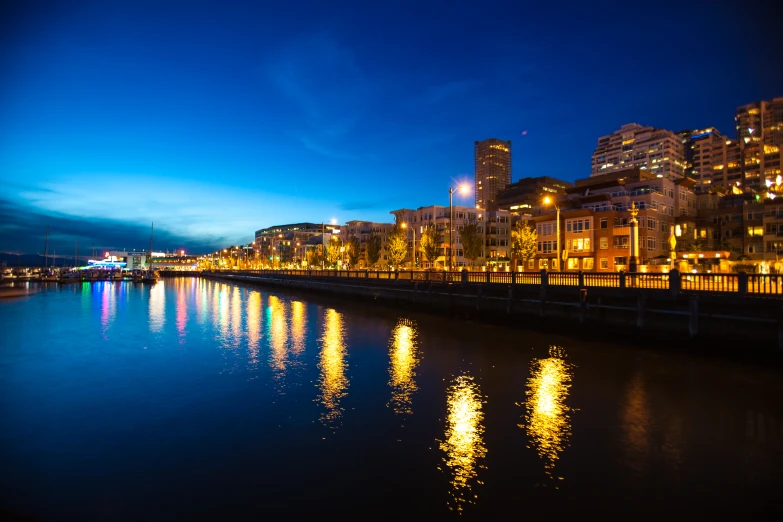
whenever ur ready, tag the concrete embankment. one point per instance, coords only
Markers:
(704, 323)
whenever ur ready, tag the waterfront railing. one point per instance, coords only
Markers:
(742, 284)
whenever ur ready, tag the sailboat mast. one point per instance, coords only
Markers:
(46, 248)
(76, 253)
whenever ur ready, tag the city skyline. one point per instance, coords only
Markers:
(216, 120)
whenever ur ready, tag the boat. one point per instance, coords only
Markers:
(50, 276)
(74, 276)
(150, 275)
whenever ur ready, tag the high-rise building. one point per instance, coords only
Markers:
(760, 122)
(704, 148)
(492, 169)
(659, 151)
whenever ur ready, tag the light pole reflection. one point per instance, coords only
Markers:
(278, 337)
(547, 418)
(403, 360)
(464, 443)
(332, 381)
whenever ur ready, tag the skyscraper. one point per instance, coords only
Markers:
(492, 169)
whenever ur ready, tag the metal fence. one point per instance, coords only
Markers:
(764, 285)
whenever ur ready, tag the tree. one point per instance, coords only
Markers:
(353, 247)
(373, 249)
(397, 246)
(431, 241)
(524, 241)
(314, 256)
(471, 241)
(333, 251)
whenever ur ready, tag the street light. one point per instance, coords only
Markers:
(405, 225)
(547, 201)
(463, 189)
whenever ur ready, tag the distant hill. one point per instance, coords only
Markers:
(35, 260)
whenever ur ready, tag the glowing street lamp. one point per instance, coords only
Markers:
(547, 201)
(463, 189)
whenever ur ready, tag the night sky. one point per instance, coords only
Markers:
(215, 119)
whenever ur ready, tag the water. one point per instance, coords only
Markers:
(197, 400)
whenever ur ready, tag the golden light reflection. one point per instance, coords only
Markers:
(403, 360)
(157, 309)
(298, 327)
(253, 328)
(223, 319)
(547, 417)
(278, 336)
(333, 381)
(464, 443)
(636, 425)
(236, 315)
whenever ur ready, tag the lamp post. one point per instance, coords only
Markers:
(548, 200)
(483, 240)
(463, 189)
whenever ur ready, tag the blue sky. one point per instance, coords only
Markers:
(215, 119)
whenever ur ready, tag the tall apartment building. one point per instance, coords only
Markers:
(659, 151)
(492, 168)
(704, 148)
(760, 122)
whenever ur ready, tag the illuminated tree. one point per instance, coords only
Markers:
(314, 256)
(333, 251)
(523, 243)
(373, 249)
(397, 246)
(471, 241)
(431, 241)
(354, 249)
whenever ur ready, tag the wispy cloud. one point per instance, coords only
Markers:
(446, 91)
(321, 78)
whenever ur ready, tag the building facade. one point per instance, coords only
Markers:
(494, 226)
(659, 151)
(492, 169)
(760, 122)
(527, 193)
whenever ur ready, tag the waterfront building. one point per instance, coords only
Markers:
(283, 245)
(494, 225)
(595, 227)
(760, 122)
(364, 230)
(659, 151)
(524, 195)
(492, 169)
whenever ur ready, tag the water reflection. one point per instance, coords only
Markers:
(298, 327)
(253, 328)
(108, 308)
(464, 444)
(278, 338)
(636, 426)
(332, 381)
(182, 314)
(236, 316)
(547, 418)
(403, 360)
(157, 310)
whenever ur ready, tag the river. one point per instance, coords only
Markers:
(192, 399)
